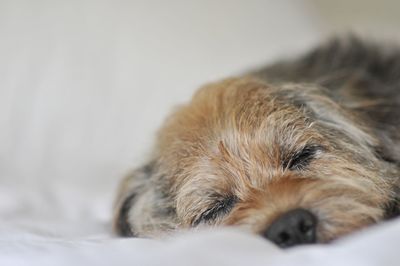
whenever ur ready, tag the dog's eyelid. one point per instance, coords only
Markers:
(302, 158)
(221, 206)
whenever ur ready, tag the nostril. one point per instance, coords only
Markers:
(284, 237)
(305, 226)
(293, 228)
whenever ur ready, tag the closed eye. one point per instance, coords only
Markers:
(300, 160)
(220, 208)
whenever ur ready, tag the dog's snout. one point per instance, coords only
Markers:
(295, 227)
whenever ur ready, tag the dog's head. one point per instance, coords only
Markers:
(284, 161)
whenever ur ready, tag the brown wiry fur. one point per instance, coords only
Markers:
(235, 141)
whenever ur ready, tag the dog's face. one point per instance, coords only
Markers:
(287, 162)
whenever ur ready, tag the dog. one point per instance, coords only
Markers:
(302, 151)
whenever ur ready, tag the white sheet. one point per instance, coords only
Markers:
(376, 246)
(83, 87)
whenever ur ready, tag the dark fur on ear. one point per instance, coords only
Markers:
(144, 204)
(130, 190)
(122, 226)
(392, 209)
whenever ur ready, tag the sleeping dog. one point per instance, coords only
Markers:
(301, 151)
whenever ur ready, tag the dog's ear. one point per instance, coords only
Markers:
(387, 150)
(132, 189)
(392, 208)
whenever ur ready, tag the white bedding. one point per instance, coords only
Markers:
(83, 87)
(376, 246)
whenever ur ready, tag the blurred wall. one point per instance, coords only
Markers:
(84, 84)
(376, 19)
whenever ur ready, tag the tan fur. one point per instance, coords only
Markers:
(320, 134)
(230, 140)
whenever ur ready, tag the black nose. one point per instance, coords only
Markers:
(293, 228)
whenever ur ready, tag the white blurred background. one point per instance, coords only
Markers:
(85, 84)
